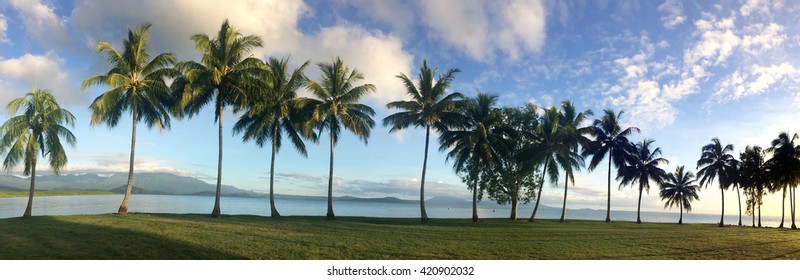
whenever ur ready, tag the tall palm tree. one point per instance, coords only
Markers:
(430, 106)
(551, 150)
(137, 84)
(642, 166)
(276, 112)
(575, 138)
(785, 165)
(226, 75)
(680, 188)
(479, 144)
(40, 127)
(609, 139)
(716, 162)
(338, 107)
(754, 177)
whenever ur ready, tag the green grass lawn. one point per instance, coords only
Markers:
(51, 193)
(170, 236)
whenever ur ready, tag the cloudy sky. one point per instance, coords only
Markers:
(684, 72)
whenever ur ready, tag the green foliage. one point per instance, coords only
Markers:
(510, 179)
(754, 178)
(680, 189)
(39, 128)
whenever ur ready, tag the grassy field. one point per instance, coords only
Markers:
(170, 236)
(51, 193)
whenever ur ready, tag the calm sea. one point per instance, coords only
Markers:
(99, 204)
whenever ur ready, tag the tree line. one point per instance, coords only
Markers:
(506, 153)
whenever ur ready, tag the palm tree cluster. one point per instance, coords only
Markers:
(503, 152)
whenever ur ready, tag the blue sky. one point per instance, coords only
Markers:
(684, 72)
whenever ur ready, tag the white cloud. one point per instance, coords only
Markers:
(759, 6)
(19, 75)
(755, 81)
(718, 42)
(763, 37)
(3, 29)
(395, 13)
(674, 13)
(41, 22)
(481, 29)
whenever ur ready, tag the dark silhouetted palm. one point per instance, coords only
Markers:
(338, 107)
(609, 139)
(226, 76)
(680, 188)
(784, 166)
(137, 84)
(575, 138)
(39, 128)
(717, 162)
(479, 144)
(754, 178)
(641, 167)
(276, 112)
(430, 106)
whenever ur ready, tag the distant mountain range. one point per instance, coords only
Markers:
(143, 183)
(170, 184)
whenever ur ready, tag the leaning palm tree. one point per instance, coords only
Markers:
(137, 84)
(551, 150)
(714, 162)
(226, 75)
(641, 167)
(575, 138)
(39, 128)
(785, 166)
(609, 139)
(430, 106)
(680, 188)
(479, 144)
(276, 112)
(338, 107)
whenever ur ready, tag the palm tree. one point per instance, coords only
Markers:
(609, 139)
(716, 161)
(551, 150)
(137, 83)
(680, 188)
(430, 106)
(40, 127)
(226, 76)
(784, 164)
(575, 137)
(277, 112)
(754, 177)
(480, 144)
(338, 107)
(642, 166)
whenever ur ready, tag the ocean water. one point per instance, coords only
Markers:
(99, 204)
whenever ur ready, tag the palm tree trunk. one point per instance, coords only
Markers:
(639, 208)
(475, 200)
(608, 206)
(330, 214)
(539, 195)
(722, 217)
(29, 208)
(793, 201)
(216, 212)
(680, 220)
(753, 210)
(783, 207)
(759, 215)
(123, 208)
(739, 196)
(423, 214)
(272, 210)
(564, 207)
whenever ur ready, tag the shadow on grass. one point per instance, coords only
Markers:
(54, 238)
